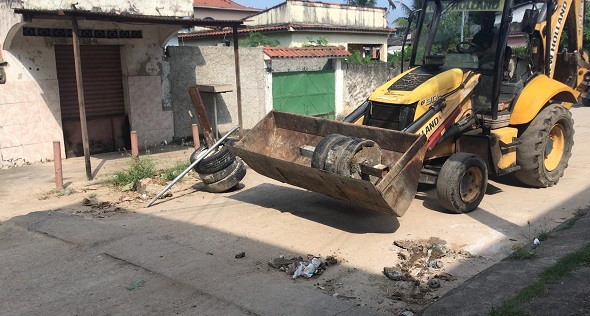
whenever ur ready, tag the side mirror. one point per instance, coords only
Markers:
(529, 20)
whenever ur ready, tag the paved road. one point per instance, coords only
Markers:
(58, 262)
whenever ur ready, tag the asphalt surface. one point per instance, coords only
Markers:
(177, 257)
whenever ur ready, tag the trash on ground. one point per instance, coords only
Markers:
(240, 255)
(299, 266)
(536, 241)
(135, 285)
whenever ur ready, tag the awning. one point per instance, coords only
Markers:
(30, 14)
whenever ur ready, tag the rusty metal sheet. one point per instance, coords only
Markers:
(271, 148)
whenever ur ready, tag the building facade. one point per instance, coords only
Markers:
(122, 58)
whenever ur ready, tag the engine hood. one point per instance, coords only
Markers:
(418, 85)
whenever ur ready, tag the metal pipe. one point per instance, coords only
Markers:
(59, 177)
(199, 158)
(238, 84)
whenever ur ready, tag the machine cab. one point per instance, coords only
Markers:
(478, 36)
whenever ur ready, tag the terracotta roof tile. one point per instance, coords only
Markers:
(298, 52)
(287, 26)
(218, 4)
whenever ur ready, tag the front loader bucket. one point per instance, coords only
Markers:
(273, 149)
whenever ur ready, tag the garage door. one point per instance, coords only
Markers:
(103, 94)
(308, 93)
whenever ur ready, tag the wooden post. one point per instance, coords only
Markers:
(81, 102)
(134, 145)
(196, 136)
(202, 115)
(238, 85)
(59, 178)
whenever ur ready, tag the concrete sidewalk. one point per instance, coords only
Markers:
(31, 182)
(503, 280)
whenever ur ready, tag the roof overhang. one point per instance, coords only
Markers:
(306, 52)
(291, 27)
(29, 14)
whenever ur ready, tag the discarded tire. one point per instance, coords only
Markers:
(358, 151)
(215, 161)
(318, 159)
(219, 175)
(228, 182)
(335, 154)
(341, 155)
(195, 154)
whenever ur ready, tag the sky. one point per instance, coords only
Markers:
(264, 4)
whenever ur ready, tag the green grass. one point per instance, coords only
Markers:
(550, 275)
(173, 172)
(577, 215)
(522, 254)
(139, 168)
(144, 167)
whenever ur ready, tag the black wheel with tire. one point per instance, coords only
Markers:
(546, 146)
(223, 173)
(216, 161)
(462, 182)
(228, 182)
(318, 159)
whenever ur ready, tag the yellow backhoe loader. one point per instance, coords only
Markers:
(489, 90)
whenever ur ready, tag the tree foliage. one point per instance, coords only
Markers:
(258, 39)
(320, 41)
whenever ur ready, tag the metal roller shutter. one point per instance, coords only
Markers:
(108, 126)
(101, 73)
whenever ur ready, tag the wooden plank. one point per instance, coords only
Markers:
(81, 104)
(202, 115)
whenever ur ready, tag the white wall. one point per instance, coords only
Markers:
(215, 65)
(295, 11)
(145, 7)
(222, 13)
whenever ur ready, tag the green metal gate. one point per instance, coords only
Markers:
(308, 93)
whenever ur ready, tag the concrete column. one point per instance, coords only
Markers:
(339, 88)
(268, 86)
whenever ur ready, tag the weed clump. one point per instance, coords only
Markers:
(139, 168)
(522, 254)
(171, 173)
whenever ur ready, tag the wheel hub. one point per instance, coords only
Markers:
(471, 184)
(554, 147)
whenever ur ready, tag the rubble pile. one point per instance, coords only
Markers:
(422, 262)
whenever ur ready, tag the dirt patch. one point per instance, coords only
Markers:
(97, 209)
